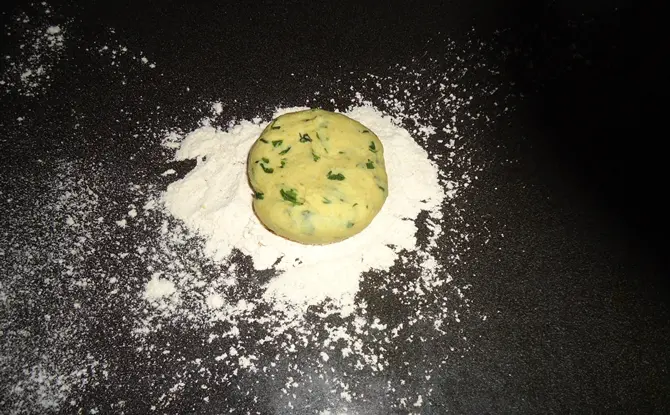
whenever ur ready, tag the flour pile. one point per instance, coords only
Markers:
(214, 200)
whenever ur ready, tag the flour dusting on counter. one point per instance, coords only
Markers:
(148, 280)
(41, 40)
(214, 201)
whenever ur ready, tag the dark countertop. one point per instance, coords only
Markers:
(569, 179)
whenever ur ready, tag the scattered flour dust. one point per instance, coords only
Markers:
(41, 45)
(175, 274)
(214, 284)
(214, 200)
(158, 288)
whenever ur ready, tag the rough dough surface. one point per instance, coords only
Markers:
(318, 177)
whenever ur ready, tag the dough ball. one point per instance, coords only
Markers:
(318, 177)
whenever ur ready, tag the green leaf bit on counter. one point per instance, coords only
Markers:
(290, 196)
(338, 176)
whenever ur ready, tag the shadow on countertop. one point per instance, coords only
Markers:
(592, 82)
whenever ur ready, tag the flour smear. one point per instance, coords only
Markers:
(215, 201)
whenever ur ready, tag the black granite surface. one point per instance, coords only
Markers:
(573, 280)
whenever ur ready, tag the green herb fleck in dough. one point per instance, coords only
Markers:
(305, 138)
(275, 127)
(266, 169)
(262, 140)
(338, 176)
(309, 119)
(326, 201)
(383, 190)
(350, 224)
(315, 156)
(365, 131)
(340, 152)
(370, 164)
(265, 160)
(372, 147)
(290, 196)
(354, 205)
(319, 137)
(285, 151)
(283, 163)
(277, 143)
(259, 195)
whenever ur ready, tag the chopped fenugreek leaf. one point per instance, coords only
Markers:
(326, 201)
(338, 176)
(305, 138)
(262, 140)
(265, 160)
(283, 163)
(383, 190)
(315, 156)
(373, 148)
(355, 204)
(275, 127)
(370, 164)
(259, 195)
(319, 137)
(309, 119)
(267, 169)
(285, 151)
(365, 131)
(290, 196)
(277, 143)
(350, 224)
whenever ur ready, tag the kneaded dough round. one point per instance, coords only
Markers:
(318, 177)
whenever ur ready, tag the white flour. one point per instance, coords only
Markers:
(215, 200)
(41, 46)
(199, 296)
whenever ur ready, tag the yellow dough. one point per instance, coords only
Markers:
(318, 176)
